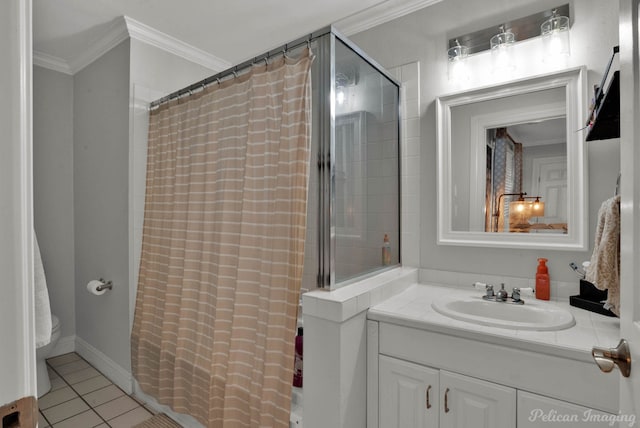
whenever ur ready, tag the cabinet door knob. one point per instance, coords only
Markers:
(607, 358)
(446, 400)
(427, 397)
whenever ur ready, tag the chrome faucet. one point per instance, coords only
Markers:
(502, 295)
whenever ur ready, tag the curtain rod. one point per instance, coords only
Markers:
(282, 50)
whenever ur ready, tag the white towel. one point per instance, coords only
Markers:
(604, 270)
(43, 308)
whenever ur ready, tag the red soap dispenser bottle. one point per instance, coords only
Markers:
(542, 280)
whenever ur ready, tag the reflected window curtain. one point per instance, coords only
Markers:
(499, 178)
(223, 247)
(507, 175)
(517, 167)
(488, 200)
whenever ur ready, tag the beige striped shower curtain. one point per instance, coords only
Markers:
(223, 247)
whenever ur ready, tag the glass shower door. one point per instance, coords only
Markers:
(366, 226)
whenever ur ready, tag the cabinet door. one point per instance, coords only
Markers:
(536, 411)
(408, 394)
(472, 403)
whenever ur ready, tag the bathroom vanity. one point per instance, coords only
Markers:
(425, 369)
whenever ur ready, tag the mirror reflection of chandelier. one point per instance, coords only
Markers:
(521, 211)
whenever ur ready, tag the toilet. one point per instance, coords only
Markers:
(42, 353)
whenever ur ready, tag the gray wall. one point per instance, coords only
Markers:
(53, 188)
(89, 169)
(101, 180)
(422, 36)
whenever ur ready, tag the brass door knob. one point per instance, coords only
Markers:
(607, 358)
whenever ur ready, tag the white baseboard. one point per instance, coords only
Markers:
(113, 371)
(65, 345)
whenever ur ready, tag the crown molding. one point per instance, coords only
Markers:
(116, 34)
(379, 14)
(148, 35)
(51, 62)
(121, 29)
(125, 27)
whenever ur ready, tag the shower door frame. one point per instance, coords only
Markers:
(326, 54)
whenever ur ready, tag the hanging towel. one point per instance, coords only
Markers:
(604, 270)
(43, 309)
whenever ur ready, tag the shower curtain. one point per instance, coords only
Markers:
(223, 247)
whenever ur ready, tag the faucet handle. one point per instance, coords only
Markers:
(518, 291)
(522, 291)
(490, 294)
(488, 288)
(480, 286)
(515, 294)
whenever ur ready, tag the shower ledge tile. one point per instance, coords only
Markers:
(309, 305)
(342, 304)
(330, 310)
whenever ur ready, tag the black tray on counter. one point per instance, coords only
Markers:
(590, 299)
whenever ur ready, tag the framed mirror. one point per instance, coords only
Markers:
(512, 166)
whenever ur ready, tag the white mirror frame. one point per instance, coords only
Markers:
(574, 83)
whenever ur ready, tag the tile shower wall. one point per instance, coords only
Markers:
(409, 75)
(381, 165)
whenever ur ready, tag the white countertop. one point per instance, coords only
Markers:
(412, 308)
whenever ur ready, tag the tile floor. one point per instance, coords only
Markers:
(81, 397)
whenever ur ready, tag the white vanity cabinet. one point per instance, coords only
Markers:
(415, 396)
(478, 383)
(474, 403)
(409, 394)
(537, 411)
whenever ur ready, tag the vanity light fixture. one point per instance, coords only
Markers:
(555, 36)
(552, 24)
(501, 45)
(457, 56)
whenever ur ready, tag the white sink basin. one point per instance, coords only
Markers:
(533, 315)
